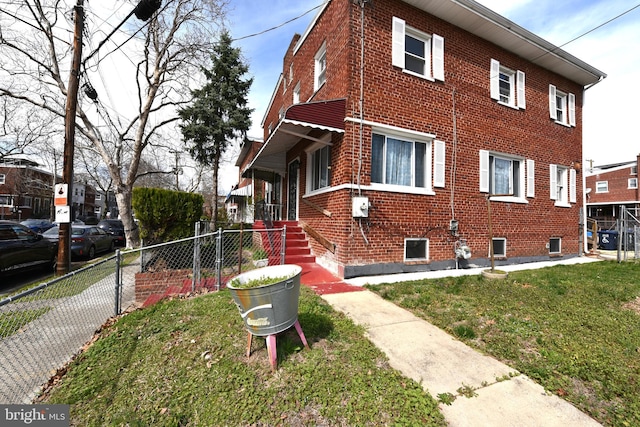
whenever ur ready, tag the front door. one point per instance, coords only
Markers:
(292, 199)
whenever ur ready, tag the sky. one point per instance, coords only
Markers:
(610, 113)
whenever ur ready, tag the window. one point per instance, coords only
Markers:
(417, 52)
(602, 186)
(2, 178)
(507, 86)
(562, 183)
(633, 183)
(562, 106)
(98, 197)
(6, 200)
(296, 94)
(281, 113)
(320, 67)
(319, 166)
(504, 175)
(397, 161)
(634, 170)
(499, 247)
(416, 249)
(555, 245)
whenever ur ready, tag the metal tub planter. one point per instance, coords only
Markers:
(267, 299)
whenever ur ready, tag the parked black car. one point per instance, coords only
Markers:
(115, 228)
(21, 248)
(38, 225)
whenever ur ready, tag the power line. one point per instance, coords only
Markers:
(280, 25)
(589, 31)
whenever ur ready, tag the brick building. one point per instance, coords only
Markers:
(393, 124)
(26, 191)
(610, 186)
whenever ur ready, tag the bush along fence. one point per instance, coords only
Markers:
(41, 329)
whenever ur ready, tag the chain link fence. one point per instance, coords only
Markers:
(43, 328)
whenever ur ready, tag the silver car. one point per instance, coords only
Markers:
(86, 240)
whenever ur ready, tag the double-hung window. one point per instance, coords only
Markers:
(507, 86)
(417, 52)
(406, 162)
(320, 72)
(602, 186)
(2, 178)
(319, 168)
(632, 183)
(296, 94)
(504, 175)
(562, 186)
(562, 106)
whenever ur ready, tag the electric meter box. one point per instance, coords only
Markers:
(360, 207)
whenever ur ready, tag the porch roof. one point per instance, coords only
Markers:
(299, 121)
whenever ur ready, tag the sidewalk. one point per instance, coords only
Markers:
(442, 364)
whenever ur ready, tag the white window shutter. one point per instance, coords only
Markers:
(495, 80)
(552, 103)
(438, 57)
(520, 98)
(572, 109)
(438, 160)
(531, 176)
(572, 185)
(484, 171)
(553, 181)
(397, 44)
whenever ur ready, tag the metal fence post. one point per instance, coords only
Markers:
(219, 255)
(283, 246)
(196, 258)
(118, 291)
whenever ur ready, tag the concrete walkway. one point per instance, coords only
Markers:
(501, 396)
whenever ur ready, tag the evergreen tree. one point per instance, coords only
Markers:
(218, 113)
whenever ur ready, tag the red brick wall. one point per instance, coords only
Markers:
(398, 99)
(156, 283)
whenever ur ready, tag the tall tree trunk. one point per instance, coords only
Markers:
(131, 231)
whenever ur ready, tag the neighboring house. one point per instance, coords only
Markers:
(25, 190)
(608, 188)
(239, 203)
(387, 155)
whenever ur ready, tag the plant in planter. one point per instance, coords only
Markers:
(267, 299)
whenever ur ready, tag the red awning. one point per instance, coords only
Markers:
(299, 121)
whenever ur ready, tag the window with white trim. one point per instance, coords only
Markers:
(2, 178)
(319, 168)
(504, 175)
(320, 71)
(499, 247)
(555, 245)
(296, 94)
(417, 52)
(562, 106)
(633, 183)
(406, 162)
(416, 249)
(6, 200)
(562, 183)
(602, 186)
(507, 86)
(634, 170)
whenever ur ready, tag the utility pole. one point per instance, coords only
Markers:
(143, 11)
(64, 241)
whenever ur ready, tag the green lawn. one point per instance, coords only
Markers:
(573, 329)
(182, 362)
